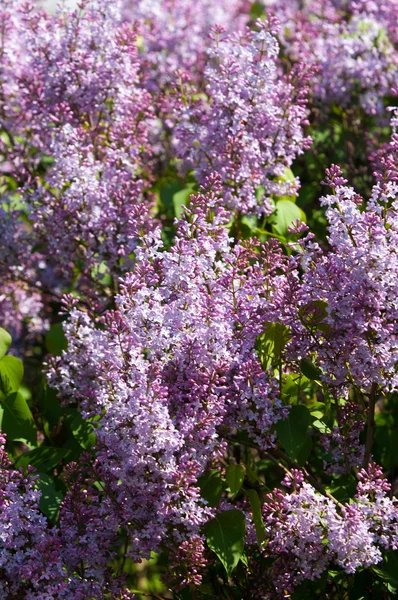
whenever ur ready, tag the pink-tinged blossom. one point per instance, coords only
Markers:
(21, 524)
(173, 370)
(56, 563)
(307, 533)
(384, 161)
(84, 211)
(351, 45)
(249, 128)
(189, 562)
(76, 120)
(175, 37)
(22, 309)
(346, 308)
(79, 68)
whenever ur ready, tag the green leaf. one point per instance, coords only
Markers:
(317, 414)
(286, 212)
(17, 421)
(50, 406)
(181, 199)
(344, 488)
(210, 485)
(255, 505)
(83, 432)
(172, 194)
(50, 499)
(225, 536)
(388, 569)
(292, 431)
(321, 426)
(310, 370)
(257, 10)
(288, 175)
(11, 374)
(235, 475)
(5, 342)
(248, 226)
(292, 385)
(42, 459)
(305, 451)
(270, 344)
(56, 340)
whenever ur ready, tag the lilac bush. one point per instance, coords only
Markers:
(39, 561)
(307, 531)
(198, 343)
(174, 36)
(78, 153)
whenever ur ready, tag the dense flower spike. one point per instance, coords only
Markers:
(172, 369)
(190, 560)
(78, 68)
(79, 146)
(22, 310)
(352, 45)
(175, 36)
(37, 561)
(307, 531)
(347, 313)
(21, 524)
(250, 126)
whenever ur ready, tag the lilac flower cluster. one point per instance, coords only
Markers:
(174, 36)
(352, 45)
(75, 121)
(173, 370)
(77, 68)
(80, 135)
(21, 307)
(186, 347)
(39, 561)
(352, 288)
(190, 559)
(249, 128)
(307, 532)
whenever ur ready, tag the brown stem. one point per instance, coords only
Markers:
(370, 425)
(292, 464)
(310, 478)
(278, 463)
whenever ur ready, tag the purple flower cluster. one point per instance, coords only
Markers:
(174, 37)
(81, 133)
(75, 143)
(190, 560)
(249, 127)
(351, 45)
(186, 347)
(308, 532)
(173, 370)
(346, 309)
(39, 561)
